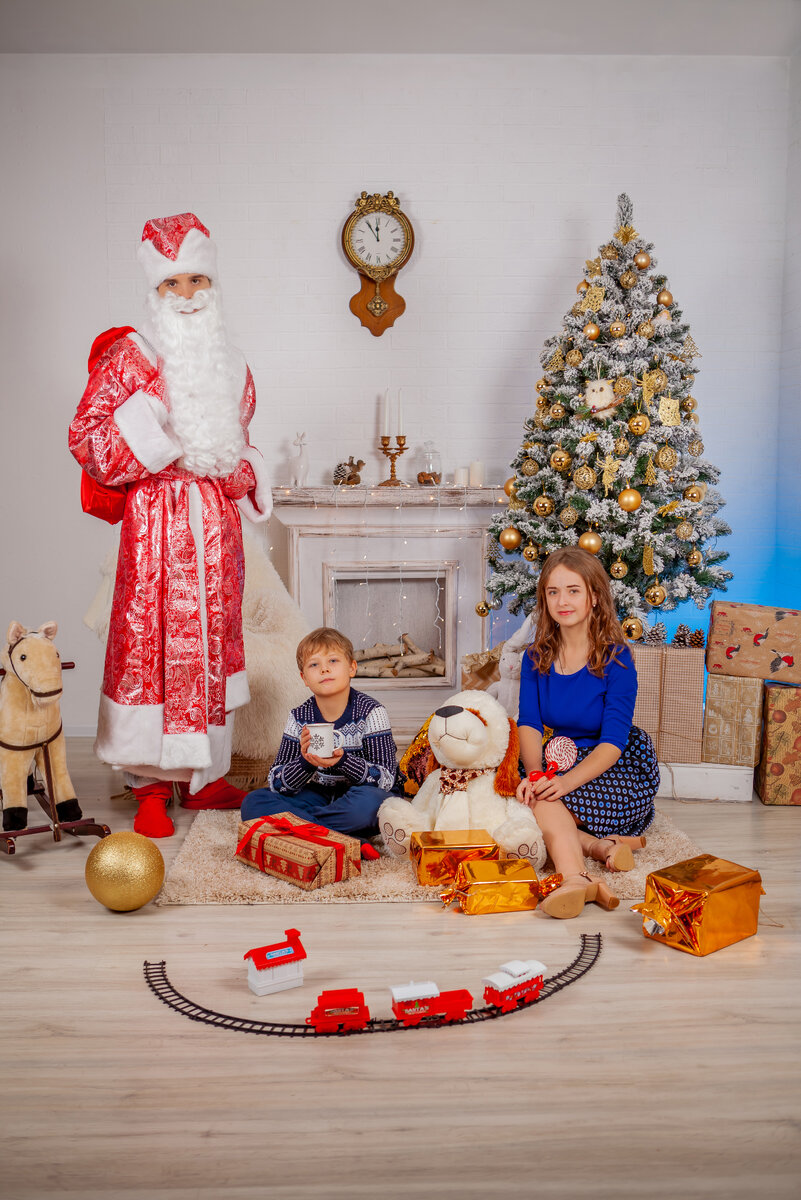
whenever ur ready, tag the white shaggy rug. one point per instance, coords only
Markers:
(205, 871)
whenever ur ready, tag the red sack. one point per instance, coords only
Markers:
(98, 499)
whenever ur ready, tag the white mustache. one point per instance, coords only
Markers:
(180, 304)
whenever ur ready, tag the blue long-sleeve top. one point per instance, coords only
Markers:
(585, 707)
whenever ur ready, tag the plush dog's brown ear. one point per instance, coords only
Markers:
(417, 762)
(507, 777)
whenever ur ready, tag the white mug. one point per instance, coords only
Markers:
(322, 739)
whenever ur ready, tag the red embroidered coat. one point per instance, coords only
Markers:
(175, 666)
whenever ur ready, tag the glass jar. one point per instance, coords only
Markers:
(430, 473)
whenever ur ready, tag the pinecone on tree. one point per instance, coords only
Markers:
(656, 635)
(682, 636)
(697, 639)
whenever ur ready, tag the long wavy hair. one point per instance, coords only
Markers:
(604, 630)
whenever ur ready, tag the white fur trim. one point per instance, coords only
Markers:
(185, 750)
(138, 422)
(220, 738)
(237, 692)
(144, 348)
(264, 495)
(197, 256)
(131, 737)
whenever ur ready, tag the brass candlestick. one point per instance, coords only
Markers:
(392, 453)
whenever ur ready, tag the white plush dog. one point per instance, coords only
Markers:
(473, 750)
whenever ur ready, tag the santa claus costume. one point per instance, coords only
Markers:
(166, 414)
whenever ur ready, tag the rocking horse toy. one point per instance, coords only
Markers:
(31, 734)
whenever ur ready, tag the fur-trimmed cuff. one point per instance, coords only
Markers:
(258, 504)
(138, 423)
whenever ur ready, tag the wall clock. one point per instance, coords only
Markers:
(378, 240)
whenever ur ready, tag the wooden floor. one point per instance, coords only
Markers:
(656, 1075)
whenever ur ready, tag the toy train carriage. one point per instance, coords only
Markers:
(514, 983)
(340, 1009)
(416, 1002)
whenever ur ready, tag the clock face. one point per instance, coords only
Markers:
(377, 240)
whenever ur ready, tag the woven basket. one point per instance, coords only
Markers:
(248, 773)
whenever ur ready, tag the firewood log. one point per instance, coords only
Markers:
(380, 650)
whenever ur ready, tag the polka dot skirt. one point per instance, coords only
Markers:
(621, 800)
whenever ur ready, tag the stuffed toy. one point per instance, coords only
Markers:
(464, 763)
(29, 718)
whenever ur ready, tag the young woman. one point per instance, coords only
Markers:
(579, 679)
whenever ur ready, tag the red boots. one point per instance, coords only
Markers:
(151, 816)
(218, 794)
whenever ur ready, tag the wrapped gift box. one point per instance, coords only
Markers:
(480, 670)
(290, 848)
(495, 887)
(437, 855)
(754, 642)
(701, 904)
(732, 721)
(778, 777)
(670, 699)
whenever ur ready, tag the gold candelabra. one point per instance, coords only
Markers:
(392, 453)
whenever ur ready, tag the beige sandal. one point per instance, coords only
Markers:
(620, 857)
(576, 891)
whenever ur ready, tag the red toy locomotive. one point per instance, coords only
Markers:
(339, 1010)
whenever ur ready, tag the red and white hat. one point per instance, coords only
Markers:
(178, 245)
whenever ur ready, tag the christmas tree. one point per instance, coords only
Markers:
(612, 459)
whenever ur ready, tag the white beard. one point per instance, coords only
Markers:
(205, 379)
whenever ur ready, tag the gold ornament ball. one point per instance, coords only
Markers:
(685, 531)
(590, 541)
(124, 871)
(510, 538)
(529, 466)
(530, 552)
(482, 608)
(696, 447)
(632, 628)
(573, 358)
(540, 384)
(558, 411)
(646, 329)
(617, 329)
(618, 569)
(665, 297)
(510, 487)
(656, 595)
(694, 558)
(582, 287)
(689, 404)
(659, 379)
(568, 516)
(628, 279)
(693, 416)
(560, 460)
(693, 493)
(622, 385)
(629, 499)
(639, 424)
(666, 458)
(584, 477)
(592, 331)
(609, 252)
(642, 260)
(543, 506)
(621, 446)
(542, 401)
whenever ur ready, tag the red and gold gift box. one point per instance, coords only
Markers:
(308, 855)
(498, 887)
(670, 700)
(778, 777)
(754, 642)
(701, 904)
(732, 721)
(437, 855)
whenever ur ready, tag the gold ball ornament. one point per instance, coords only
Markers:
(622, 385)
(584, 477)
(639, 424)
(659, 379)
(655, 595)
(642, 260)
(530, 552)
(568, 516)
(685, 531)
(542, 401)
(573, 358)
(510, 538)
(666, 458)
(689, 404)
(693, 416)
(529, 466)
(560, 459)
(609, 252)
(618, 569)
(543, 506)
(629, 499)
(124, 871)
(694, 558)
(665, 297)
(646, 329)
(621, 446)
(592, 331)
(628, 279)
(540, 384)
(632, 628)
(510, 487)
(557, 411)
(582, 287)
(617, 329)
(590, 541)
(696, 447)
(482, 608)
(693, 493)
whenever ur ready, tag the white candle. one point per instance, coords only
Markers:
(460, 477)
(476, 474)
(400, 412)
(385, 415)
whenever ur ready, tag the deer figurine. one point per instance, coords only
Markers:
(299, 463)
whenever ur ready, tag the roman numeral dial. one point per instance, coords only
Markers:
(377, 239)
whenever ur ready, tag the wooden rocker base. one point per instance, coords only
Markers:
(9, 837)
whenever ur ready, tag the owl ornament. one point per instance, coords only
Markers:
(600, 398)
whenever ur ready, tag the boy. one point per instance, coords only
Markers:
(345, 791)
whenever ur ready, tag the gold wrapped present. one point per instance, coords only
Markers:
(480, 670)
(701, 904)
(732, 721)
(497, 887)
(437, 855)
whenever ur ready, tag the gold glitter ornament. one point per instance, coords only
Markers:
(510, 487)
(696, 447)
(646, 329)
(632, 628)
(516, 505)
(610, 469)
(573, 358)
(648, 560)
(665, 297)
(510, 538)
(556, 362)
(576, 309)
(689, 404)
(655, 594)
(591, 331)
(593, 299)
(609, 252)
(694, 558)
(543, 506)
(629, 499)
(530, 552)
(658, 379)
(124, 871)
(482, 608)
(557, 411)
(650, 473)
(590, 541)
(642, 260)
(685, 531)
(628, 279)
(693, 493)
(560, 459)
(529, 467)
(568, 516)
(617, 329)
(623, 385)
(666, 457)
(584, 477)
(621, 446)
(689, 349)
(618, 569)
(669, 410)
(593, 266)
(639, 424)
(627, 233)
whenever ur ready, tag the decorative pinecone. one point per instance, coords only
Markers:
(697, 639)
(682, 636)
(657, 635)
